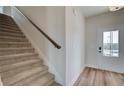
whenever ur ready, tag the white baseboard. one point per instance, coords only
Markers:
(102, 68)
(93, 66)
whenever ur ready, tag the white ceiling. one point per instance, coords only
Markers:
(93, 10)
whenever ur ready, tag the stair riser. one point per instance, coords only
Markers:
(13, 32)
(15, 45)
(16, 65)
(17, 59)
(5, 16)
(11, 25)
(4, 20)
(20, 76)
(12, 35)
(13, 72)
(12, 40)
(42, 81)
(4, 24)
(8, 27)
(11, 52)
(4, 33)
(2, 16)
(30, 78)
(50, 82)
(7, 23)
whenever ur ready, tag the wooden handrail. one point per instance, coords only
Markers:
(39, 29)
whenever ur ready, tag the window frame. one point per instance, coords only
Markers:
(110, 44)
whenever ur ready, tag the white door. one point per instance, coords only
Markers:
(110, 48)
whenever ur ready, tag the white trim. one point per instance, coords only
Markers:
(107, 69)
(93, 66)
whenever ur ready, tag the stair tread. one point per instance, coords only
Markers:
(21, 75)
(12, 40)
(11, 25)
(18, 59)
(13, 72)
(9, 49)
(15, 45)
(15, 55)
(13, 65)
(11, 52)
(11, 29)
(1, 25)
(15, 50)
(55, 84)
(7, 21)
(43, 80)
(10, 37)
(30, 79)
(11, 33)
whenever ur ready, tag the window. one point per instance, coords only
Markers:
(111, 43)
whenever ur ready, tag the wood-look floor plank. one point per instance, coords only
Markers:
(99, 80)
(97, 77)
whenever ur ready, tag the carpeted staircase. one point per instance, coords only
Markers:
(19, 63)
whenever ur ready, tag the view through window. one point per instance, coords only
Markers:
(111, 43)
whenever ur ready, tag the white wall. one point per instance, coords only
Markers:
(66, 26)
(56, 29)
(1, 9)
(92, 26)
(75, 40)
(52, 21)
(7, 10)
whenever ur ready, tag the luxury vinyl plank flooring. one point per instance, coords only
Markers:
(97, 77)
